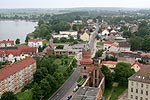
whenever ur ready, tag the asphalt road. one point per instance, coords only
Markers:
(60, 93)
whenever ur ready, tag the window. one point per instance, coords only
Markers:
(146, 92)
(136, 90)
(84, 76)
(141, 85)
(147, 86)
(141, 91)
(84, 68)
(132, 83)
(136, 84)
(131, 96)
(136, 97)
(141, 98)
(131, 89)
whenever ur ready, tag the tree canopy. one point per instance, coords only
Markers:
(122, 72)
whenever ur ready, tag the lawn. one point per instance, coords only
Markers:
(117, 92)
(26, 95)
(107, 92)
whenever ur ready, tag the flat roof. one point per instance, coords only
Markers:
(86, 93)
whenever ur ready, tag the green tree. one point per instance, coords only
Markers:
(17, 41)
(135, 42)
(122, 72)
(97, 37)
(37, 92)
(45, 87)
(146, 44)
(27, 38)
(109, 77)
(51, 80)
(98, 53)
(63, 40)
(9, 95)
(126, 34)
(40, 49)
(60, 47)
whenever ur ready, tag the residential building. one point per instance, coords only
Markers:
(85, 37)
(15, 76)
(69, 33)
(124, 46)
(110, 64)
(139, 84)
(107, 45)
(35, 43)
(136, 66)
(105, 32)
(58, 36)
(7, 43)
(13, 54)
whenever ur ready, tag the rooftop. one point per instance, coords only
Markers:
(143, 75)
(108, 42)
(11, 69)
(86, 93)
(109, 62)
(7, 41)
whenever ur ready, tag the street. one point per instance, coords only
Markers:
(60, 93)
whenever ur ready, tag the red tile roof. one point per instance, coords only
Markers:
(137, 63)
(109, 62)
(19, 50)
(35, 40)
(9, 41)
(145, 54)
(108, 42)
(86, 60)
(11, 69)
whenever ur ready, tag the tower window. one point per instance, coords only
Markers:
(84, 68)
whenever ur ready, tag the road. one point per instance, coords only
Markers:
(92, 42)
(63, 90)
(60, 93)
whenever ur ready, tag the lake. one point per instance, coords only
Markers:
(13, 29)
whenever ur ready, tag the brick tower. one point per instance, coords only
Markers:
(90, 69)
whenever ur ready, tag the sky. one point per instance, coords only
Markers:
(73, 3)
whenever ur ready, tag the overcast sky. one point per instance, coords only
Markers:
(73, 3)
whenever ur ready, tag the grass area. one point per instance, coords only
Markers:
(100, 43)
(107, 92)
(80, 78)
(117, 92)
(26, 95)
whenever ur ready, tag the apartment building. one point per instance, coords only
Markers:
(15, 76)
(139, 84)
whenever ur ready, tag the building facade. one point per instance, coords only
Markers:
(6, 43)
(35, 43)
(15, 76)
(139, 84)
